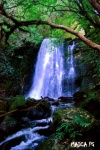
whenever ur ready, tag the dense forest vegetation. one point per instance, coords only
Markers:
(23, 26)
(24, 22)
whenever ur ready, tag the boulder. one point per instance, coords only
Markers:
(65, 99)
(41, 111)
(8, 127)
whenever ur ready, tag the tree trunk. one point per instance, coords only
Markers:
(95, 5)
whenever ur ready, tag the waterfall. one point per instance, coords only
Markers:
(54, 77)
(50, 75)
(47, 80)
(70, 86)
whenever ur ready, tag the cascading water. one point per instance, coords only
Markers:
(29, 138)
(70, 72)
(54, 77)
(50, 69)
(47, 80)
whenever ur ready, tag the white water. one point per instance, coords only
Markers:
(47, 80)
(31, 137)
(49, 72)
(70, 71)
(23, 145)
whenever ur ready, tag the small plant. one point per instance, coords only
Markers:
(70, 128)
(66, 128)
(81, 120)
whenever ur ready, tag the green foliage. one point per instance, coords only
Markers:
(67, 128)
(73, 128)
(17, 102)
(6, 69)
(92, 94)
(81, 120)
(78, 15)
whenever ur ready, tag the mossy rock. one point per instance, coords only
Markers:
(50, 144)
(8, 126)
(2, 106)
(53, 144)
(45, 105)
(66, 115)
(31, 102)
(17, 102)
(9, 119)
(41, 111)
(69, 114)
(47, 144)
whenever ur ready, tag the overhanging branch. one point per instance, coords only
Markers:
(55, 26)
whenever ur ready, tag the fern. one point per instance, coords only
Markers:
(59, 135)
(81, 121)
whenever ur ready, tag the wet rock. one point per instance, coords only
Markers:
(8, 126)
(46, 145)
(31, 102)
(53, 144)
(65, 99)
(46, 132)
(16, 102)
(2, 133)
(41, 111)
(68, 114)
(48, 99)
(13, 142)
(56, 103)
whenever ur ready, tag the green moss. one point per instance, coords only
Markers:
(17, 102)
(8, 119)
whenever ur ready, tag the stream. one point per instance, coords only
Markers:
(54, 77)
(33, 133)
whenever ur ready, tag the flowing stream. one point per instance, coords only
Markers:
(54, 77)
(30, 137)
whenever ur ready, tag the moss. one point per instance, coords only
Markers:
(9, 119)
(30, 102)
(69, 114)
(17, 102)
(45, 105)
(52, 143)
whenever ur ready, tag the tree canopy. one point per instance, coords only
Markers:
(30, 18)
(28, 21)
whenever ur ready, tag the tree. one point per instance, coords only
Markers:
(18, 16)
(96, 5)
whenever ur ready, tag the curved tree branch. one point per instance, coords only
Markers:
(55, 26)
(18, 24)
